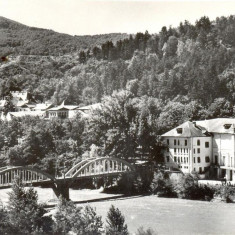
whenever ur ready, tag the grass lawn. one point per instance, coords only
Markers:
(173, 216)
(163, 215)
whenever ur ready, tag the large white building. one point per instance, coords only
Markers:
(202, 146)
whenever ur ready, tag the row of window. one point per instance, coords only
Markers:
(180, 150)
(181, 159)
(175, 142)
(200, 169)
(207, 159)
(198, 150)
(185, 159)
(185, 167)
(207, 144)
(178, 159)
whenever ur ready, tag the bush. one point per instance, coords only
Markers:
(226, 193)
(162, 185)
(188, 188)
(149, 231)
(126, 184)
(143, 180)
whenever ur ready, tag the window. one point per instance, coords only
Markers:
(198, 142)
(181, 159)
(174, 142)
(168, 141)
(178, 142)
(216, 159)
(200, 170)
(206, 144)
(194, 169)
(207, 159)
(187, 159)
(198, 150)
(227, 126)
(185, 142)
(179, 130)
(167, 158)
(175, 159)
(194, 160)
(184, 160)
(174, 150)
(198, 159)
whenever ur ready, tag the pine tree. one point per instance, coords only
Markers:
(116, 222)
(24, 213)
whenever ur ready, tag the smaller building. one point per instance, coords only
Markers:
(62, 111)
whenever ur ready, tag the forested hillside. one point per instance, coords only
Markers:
(19, 39)
(190, 62)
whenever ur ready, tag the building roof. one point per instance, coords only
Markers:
(90, 107)
(27, 113)
(63, 107)
(42, 106)
(218, 125)
(189, 129)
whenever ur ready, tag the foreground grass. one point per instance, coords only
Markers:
(173, 216)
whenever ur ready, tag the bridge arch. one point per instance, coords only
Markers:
(100, 166)
(26, 173)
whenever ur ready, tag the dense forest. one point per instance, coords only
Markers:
(190, 62)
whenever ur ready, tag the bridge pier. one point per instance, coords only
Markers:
(61, 190)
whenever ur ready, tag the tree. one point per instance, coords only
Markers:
(82, 57)
(70, 218)
(8, 107)
(116, 222)
(24, 213)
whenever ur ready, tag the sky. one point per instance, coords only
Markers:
(89, 17)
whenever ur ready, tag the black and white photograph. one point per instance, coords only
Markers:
(117, 117)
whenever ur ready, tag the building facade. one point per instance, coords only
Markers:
(206, 147)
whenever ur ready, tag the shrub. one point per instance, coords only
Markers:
(162, 185)
(143, 180)
(149, 231)
(188, 188)
(116, 222)
(226, 193)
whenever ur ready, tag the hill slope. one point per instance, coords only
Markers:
(16, 38)
(193, 62)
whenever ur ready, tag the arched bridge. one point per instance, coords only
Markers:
(91, 167)
(99, 166)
